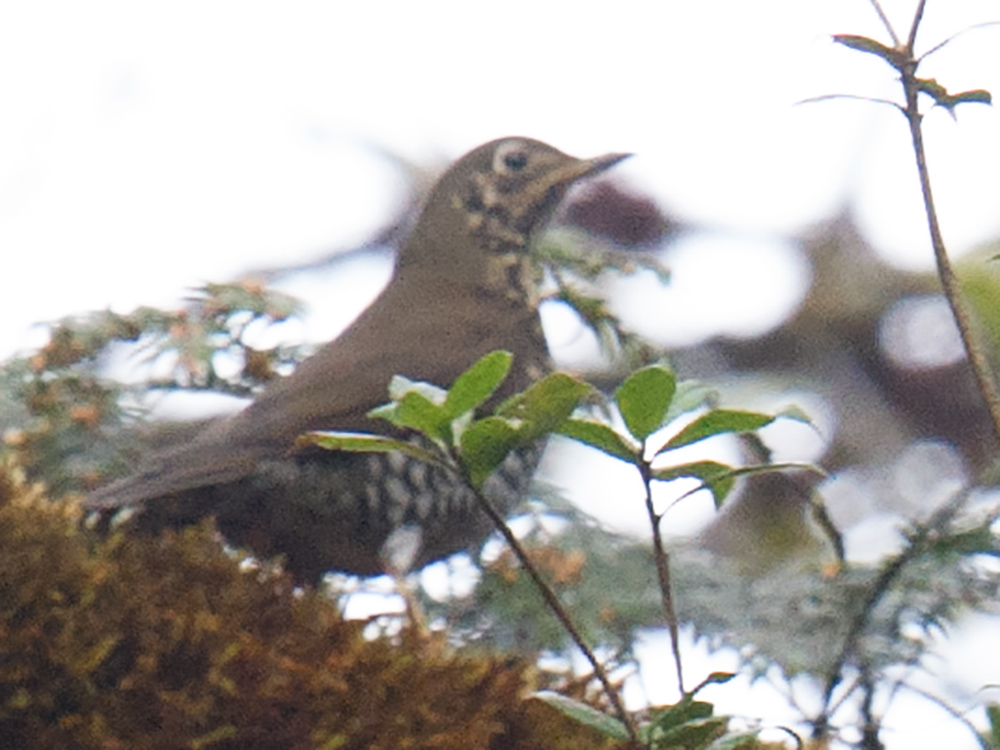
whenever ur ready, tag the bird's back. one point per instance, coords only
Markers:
(337, 387)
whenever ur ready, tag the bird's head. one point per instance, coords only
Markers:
(480, 218)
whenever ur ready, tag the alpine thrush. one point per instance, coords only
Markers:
(462, 286)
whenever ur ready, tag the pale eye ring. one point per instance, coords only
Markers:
(511, 158)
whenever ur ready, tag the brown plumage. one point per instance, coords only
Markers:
(462, 287)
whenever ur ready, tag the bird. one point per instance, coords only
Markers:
(463, 285)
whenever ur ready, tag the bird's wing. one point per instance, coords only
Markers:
(335, 388)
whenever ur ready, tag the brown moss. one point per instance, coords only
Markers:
(166, 642)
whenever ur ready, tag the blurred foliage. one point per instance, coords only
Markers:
(980, 275)
(67, 421)
(607, 582)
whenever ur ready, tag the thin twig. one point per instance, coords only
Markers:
(663, 573)
(827, 97)
(918, 15)
(954, 36)
(885, 22)
(553, 603)
(906, 63)
(978, 358)
(870, 724)
(955, 713)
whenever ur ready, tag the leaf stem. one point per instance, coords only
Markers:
(663, 572)
(553, 603)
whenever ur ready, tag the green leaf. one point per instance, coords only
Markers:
(993, 715)
(485, 444)
(689, 723)
(643, 400)
(586, 715)
(544, 406)
(716, 678)
(478, 383)
(795, 413)
(415, 405)
(694, 734)
(719, 478)
(686, 710)
(942, 98)
(600, 436)
(715, 477)
(385, 411)
(718, 422)
(359, 442)
(707, 471)
(863, 44)
(418, 412)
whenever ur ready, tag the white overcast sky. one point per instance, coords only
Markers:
(148, 147)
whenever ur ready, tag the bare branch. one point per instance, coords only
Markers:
(885, 22)
(917, 17)
(954, 36)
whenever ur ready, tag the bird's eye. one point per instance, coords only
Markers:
(515, 161)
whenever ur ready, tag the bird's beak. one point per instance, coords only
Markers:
(577, 169)
(602, 163)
